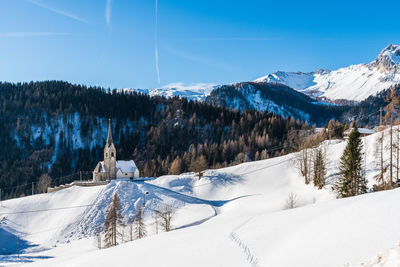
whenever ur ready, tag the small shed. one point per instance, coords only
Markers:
(363, 132)
(126, 169)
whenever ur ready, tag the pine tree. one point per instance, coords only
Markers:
(319, 168)
(113, 221)
(352, 181)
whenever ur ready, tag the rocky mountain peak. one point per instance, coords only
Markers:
(388, 59)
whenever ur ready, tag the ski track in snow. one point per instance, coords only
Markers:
(251, 258)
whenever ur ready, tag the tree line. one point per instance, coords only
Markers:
(162, 135)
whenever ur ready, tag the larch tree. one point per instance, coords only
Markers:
(198, 164)
(113, 221)
(140, 227)
(352, 181)
(397, 147)
(391, 110)
(303, 164)
(379, 150)
(176, 166)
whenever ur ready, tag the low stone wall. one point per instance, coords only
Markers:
(77, 183)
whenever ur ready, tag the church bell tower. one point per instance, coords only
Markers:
(110, 156)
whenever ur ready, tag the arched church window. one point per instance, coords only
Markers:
(106, 154)
(112, 154)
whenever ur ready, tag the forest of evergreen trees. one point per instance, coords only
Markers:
(162, 135)
(154, 131)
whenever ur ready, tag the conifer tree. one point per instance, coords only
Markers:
(113, 221)
(351, 181)
(319, 168)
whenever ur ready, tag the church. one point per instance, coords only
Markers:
(111, 168)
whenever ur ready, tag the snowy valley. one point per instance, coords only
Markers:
(235, 216)
(199, 133)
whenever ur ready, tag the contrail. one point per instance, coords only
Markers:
(156, 44)
(58, 11)
(107, 12)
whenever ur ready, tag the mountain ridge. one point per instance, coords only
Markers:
(355, 82)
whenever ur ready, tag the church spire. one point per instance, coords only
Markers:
(109, 137)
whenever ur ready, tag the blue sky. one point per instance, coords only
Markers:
(111, 43)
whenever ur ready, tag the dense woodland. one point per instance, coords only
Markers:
(162, 135)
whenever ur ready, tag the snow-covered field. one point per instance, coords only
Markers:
(234, 216)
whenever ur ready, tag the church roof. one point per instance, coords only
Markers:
(123, 165)
(126, 165)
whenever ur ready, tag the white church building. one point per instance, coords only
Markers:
(111, 168)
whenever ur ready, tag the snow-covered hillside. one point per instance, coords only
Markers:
(355, 82)
(234, 216)
(198, 91)
(274, 98)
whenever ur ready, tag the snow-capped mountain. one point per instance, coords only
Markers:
(197, 91)
(355, 82)
(272, 97)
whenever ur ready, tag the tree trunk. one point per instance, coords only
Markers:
(391, 151)
(398, 154)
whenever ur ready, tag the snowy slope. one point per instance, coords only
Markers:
(355, 82)
(274, 98)
(389, 258)
(198, 91)
(231, 217)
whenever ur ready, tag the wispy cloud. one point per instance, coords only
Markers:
(156, 43)
(58, 11)
(236, 39)
(31, 34)
(107, 12)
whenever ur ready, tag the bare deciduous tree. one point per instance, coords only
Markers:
(113, 220)
(44, 183)
(198, 164)
(99, 237)
(397, 147)
(155, 216)
(379, 150)
(131, 221)
(166, 214)
(291, 201)
(140, 227)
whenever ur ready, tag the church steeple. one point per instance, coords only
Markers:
(110, 155)
(109, 136)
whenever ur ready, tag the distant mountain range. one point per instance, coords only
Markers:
(197, 91)
(314, 96)
(352, 84)
(356, 82)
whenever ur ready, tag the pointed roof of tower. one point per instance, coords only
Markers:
(109, 137)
